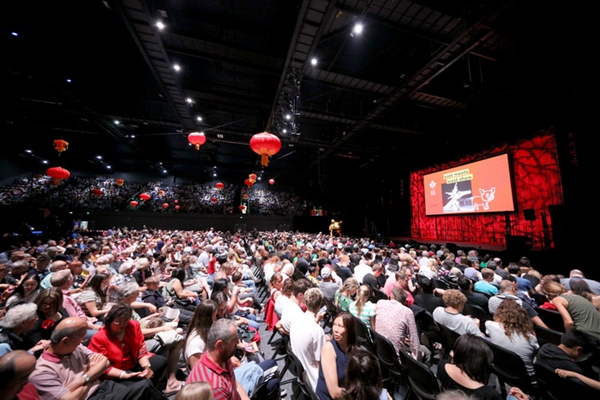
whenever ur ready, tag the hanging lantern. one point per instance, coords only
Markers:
(242, 207)
(265, 144)
(120, 182)
(161, 193)
(219, 186)
(271, 181)
(248, 183)
(245, 197)
(176, 201)
(145, 196)
(165, 205)
(197, 139)
(252, 178)
(214, 199)
(60, 145)
(133, 203)
(177, 207)
(97, 192)
(57, 173)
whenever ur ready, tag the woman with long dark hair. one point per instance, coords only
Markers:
(183, 297)
(334, 357)
(26, 291)
(93, 299)
(363, 377)
(195, 341)
(470, 368)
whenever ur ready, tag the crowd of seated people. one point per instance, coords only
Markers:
(136, 302)
(104, 194)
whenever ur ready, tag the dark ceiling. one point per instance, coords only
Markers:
(426, 82)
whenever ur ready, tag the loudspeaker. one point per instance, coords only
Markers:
(529, 214)
(518, 244)
(559, 224)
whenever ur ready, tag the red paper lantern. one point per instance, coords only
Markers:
(219, 185)
(265, 144)
(60, 145)
(145, 196)
(165, 205)
(177, 207)
(197, 139)
(242, 207)
(161, 192)
(245, 197)
(214, 199)
(120, 182)
(97, 192)
(252, 178)
(57, 173)
(133, 203)
(176, 201)
(248, 183)
(271, 181)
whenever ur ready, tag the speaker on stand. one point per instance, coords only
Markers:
(529, 215)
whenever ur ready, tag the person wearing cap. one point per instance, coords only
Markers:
(328, 285)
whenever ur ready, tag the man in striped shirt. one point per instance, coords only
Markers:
(215, 366)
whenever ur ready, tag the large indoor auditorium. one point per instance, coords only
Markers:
(296, 199)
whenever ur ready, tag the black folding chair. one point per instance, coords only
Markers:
(477, 312)
(510, 369)
(363, 335)
(553, 387)
(545, 335)
(551, 318)
(394, 373)
(422, 382)
(449, 335)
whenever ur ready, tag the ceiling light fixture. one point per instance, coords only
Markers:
(357, 30)
(199, 118)
(160, 25)
(176, 67)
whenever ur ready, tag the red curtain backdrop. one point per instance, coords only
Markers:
(537, 185)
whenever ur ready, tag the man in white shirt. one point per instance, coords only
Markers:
(307, 336)
(292, 309)
(361, 270)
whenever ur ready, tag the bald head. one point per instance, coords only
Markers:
(69, 328)
(15, 368)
